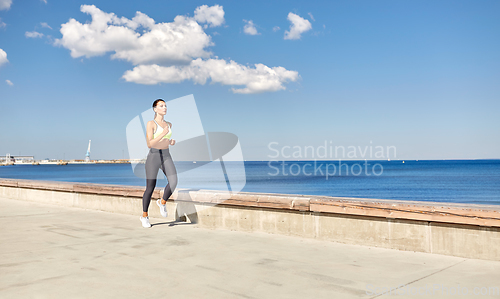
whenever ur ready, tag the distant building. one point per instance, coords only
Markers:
(10, 158)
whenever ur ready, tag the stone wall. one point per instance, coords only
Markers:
(470, 231)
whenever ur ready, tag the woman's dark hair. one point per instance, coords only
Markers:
(156, 102)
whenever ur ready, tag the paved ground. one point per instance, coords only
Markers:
(50, 251)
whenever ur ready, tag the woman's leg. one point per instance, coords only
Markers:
(169, 170)
(153, 164)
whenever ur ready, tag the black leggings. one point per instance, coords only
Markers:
(158, 158)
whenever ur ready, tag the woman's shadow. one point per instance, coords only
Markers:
(185, 212)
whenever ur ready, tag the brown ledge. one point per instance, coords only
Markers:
(483, 215)
(247, 199)
(45, 185)
(117, 190)
(8, 182)
(103, 189)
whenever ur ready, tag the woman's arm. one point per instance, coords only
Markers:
(159, 142)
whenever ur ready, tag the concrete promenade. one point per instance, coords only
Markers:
(50, 251)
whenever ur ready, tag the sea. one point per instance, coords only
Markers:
(455, 181)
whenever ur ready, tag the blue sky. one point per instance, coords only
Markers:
(421, 76)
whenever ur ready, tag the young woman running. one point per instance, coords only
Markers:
(159, 133)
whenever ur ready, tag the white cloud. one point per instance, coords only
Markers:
(5, 4)
(45, 25)
(165, 43)
(250, 28)
(2, 24)
(3, 57)
(213, 15)
(33, 34)
(311, 16)
(9, 82)
(44, 1)
(259, 79)
(167, 52)
(276, 28)
(298, 26)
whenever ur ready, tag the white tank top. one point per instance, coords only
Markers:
(159, 130)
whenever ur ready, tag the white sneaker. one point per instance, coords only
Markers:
(163, 208)
(145, 221)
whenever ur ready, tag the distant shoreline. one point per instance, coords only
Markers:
(127, 161)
